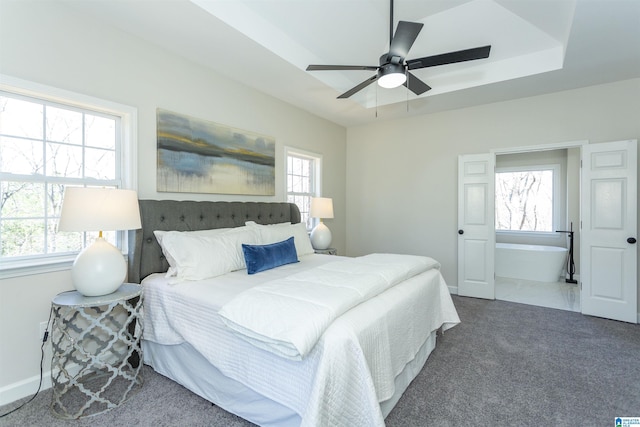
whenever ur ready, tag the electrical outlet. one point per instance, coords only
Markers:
(42, 329)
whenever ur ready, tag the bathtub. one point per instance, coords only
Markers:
(530, 262)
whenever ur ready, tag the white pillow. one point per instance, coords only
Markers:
(236, 237)
(275, 233)
(172, 262)
(203, 255)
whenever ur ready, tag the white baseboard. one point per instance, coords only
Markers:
(24, 388)
(28, 387)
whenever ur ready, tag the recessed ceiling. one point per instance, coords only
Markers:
(538, 46)
(358, 33)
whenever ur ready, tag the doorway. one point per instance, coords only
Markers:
(608, 226)
(537, 204)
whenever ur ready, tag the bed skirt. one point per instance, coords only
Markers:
(183, 364)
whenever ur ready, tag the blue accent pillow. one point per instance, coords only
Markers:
(265, 257)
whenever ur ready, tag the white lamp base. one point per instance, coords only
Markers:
(321, 236)
(99, 269)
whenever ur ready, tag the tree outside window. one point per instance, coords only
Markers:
(45, 146)
(524, 200)
(303, 176)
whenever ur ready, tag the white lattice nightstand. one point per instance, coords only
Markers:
(328, 251)
(97, 356)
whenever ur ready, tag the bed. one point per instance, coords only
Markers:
(352, 372)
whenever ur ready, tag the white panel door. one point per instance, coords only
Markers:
(609, 231)
(476, 230)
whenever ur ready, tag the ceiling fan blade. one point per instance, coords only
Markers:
(406, 35)
(449, 58)
(416, 85)
(359, 87)
(341, 67)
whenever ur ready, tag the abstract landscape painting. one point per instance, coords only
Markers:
(200, 156)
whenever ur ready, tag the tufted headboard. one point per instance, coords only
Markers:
(145, 255)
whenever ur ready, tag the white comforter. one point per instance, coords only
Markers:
(345, 376)
(288, 316)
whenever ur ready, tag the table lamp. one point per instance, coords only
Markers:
(100, 268)
(321, 207)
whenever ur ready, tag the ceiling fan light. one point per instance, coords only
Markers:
(391, 75)
(391, 80)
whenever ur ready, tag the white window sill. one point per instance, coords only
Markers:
(532, 234)
(30, 267)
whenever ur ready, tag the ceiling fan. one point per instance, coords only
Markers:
(393, 70)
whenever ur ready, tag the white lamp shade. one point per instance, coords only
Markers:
(321, 207)
(100, 268)
(99, 209)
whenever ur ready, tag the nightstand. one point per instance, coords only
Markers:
(328, 251)
(97, 354)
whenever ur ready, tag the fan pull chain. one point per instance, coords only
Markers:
(406, 73)
(377, 88)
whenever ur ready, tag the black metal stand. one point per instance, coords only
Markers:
(571, 267)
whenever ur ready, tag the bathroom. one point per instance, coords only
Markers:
(537, 206)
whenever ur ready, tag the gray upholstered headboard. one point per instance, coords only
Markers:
(145, 255)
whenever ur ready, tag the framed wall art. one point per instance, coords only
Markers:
(200, 156)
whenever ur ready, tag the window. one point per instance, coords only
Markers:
(525, 199)
(303, 178)
(46, 143)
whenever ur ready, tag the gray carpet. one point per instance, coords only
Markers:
(506, 364)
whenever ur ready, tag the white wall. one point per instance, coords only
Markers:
(55, 46)
(402, 174)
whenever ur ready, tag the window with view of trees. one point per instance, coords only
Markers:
(525, 200)
(303, 171)
(45, 146)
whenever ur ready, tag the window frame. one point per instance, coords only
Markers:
(126, 163)
(556, 220)
(315, 185)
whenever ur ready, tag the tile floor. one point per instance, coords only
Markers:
(560, 295)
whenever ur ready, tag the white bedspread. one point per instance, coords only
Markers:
(288, 316)
(345, 375)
